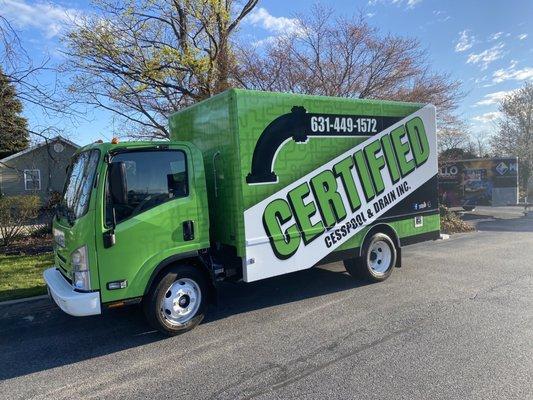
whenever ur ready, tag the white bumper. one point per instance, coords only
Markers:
(74, 303)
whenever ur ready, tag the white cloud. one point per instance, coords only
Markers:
(495, 36)
(522, 36)
(512, 73)
(465, 42)
(481, 79)
(269, 40)
(278, 25)
(408, 3)
(370, 15)
(486, 57)
(493, 98)
(47, 17)
(487, 117)
(412, 3)
(441, 15)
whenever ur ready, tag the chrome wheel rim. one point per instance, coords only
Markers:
(379, 257)
(181, 301)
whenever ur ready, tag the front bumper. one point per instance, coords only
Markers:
(74, 303)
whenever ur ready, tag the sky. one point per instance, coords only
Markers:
(487, 45)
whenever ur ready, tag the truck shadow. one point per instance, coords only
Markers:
(236, 298)
(37, 336)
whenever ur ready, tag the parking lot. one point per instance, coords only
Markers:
(455, 322)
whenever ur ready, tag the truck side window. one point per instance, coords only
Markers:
(152, 178)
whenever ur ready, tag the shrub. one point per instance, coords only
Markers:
(15, 213)
(450, 222)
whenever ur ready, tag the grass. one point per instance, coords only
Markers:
(22, 275)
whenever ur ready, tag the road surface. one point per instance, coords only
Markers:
(456, 322)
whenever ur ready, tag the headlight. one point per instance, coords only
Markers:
(80, 267)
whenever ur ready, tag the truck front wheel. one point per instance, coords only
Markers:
(378, 258)
(177, 302)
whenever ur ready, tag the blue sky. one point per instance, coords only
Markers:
(487, 45)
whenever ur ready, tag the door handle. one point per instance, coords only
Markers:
(217, 154)
(188, 230)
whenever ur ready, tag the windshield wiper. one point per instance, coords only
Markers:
(70, 217)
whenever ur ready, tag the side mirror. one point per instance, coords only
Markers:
(118, 187)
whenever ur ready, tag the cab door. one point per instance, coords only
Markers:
(156, 218)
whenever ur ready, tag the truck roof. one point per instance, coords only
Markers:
(105, 147)
(299, 95)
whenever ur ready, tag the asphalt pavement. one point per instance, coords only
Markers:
(455, 322)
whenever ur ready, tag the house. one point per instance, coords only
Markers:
(39, 169)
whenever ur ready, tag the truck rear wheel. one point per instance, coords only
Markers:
(177, 302)
(378, 258)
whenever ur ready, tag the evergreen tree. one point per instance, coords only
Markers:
(14, 135)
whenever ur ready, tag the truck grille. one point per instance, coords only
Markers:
(61, 262)
(63, 259)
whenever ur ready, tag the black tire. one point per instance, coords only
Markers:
(361, 267)
(153, 301)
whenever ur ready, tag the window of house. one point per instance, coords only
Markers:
(32, 179)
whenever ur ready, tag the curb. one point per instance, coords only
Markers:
(24, 300)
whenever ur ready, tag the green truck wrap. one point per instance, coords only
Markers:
(293, 178)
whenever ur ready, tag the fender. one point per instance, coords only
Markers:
(196, 259)
(189, 255)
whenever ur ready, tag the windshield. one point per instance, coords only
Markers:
(78, 185)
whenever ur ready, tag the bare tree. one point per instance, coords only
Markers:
(479, 143)
(23, 71)
(326, 55)
(144, 59)
(514, 136)
(452, 137)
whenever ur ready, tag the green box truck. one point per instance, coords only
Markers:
(251, 185)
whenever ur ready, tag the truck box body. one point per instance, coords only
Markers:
(269, 161)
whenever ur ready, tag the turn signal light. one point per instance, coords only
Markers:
(114, 140)
(117, 285)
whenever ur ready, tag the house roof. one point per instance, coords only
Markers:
(39, 145)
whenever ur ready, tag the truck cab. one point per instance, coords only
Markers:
(128, 211)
